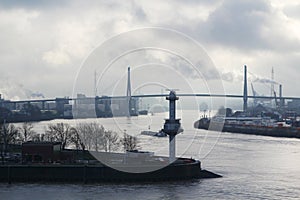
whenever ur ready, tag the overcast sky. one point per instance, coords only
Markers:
(44, 43)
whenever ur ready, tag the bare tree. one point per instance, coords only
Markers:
(12, 134)
(83, 132)
(9, 134)
(27, 132)
(94, 137)
(76, 139)
(97, 133)
(110, 141)
(59, 132)
(91, 135)
(130, 143)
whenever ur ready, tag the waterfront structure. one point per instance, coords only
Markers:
(172, 125)
(177, 169)
(62, 108)
(46, 152)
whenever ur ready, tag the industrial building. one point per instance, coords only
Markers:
(41, 151)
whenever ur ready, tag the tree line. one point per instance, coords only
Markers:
(84, 136)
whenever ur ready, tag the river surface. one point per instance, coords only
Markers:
(253, 167)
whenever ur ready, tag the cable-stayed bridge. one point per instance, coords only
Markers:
(158, 95)
(104, 104)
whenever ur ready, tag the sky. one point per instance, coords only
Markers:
(44, 45)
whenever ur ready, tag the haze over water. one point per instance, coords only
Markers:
(253, 167)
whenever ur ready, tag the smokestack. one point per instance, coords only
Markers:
(245, 98)
(280, 96)
(280, 91)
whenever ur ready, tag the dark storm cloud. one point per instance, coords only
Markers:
(246, 25)
(238, 23)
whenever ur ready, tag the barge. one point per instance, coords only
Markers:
(273, 130)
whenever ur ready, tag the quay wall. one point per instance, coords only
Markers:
(101, 173)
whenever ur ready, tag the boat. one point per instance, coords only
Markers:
(143, 112)
(155, 134)
(250, 125)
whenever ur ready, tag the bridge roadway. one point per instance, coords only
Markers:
(162, 95)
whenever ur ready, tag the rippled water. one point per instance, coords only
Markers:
(253, 167)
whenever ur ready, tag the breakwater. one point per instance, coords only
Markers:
(99, 173)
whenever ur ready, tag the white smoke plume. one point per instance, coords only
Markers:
(11, 90)
(264, 80)
(235, 76)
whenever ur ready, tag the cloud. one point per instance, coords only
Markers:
(265, 80)
(48, 40)
(292, 11)
(238, 23)
(56, 57)
(248, 26)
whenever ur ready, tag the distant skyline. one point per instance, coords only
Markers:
(44, 43)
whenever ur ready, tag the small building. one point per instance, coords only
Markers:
(46, 152)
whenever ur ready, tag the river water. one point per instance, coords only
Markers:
(253, 167)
